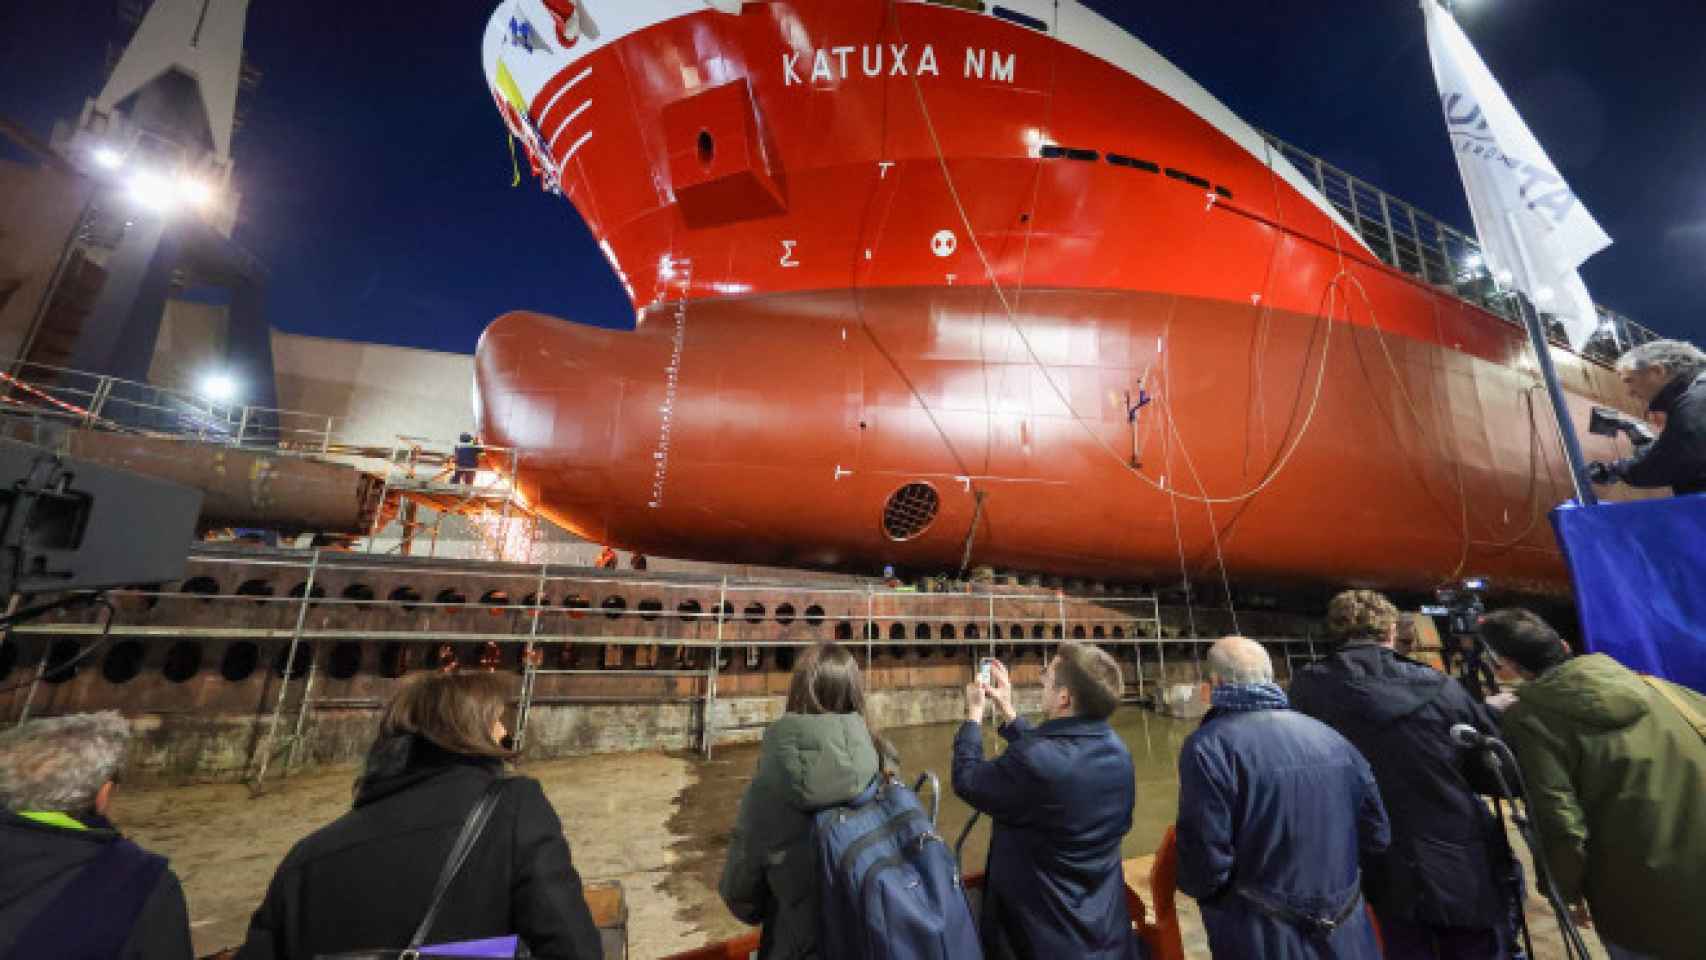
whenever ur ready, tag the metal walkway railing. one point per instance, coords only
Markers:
(1421, 245)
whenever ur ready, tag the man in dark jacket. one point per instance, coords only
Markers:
(467, 460)
(1669, 376)
(1443, 889)
(1276, 812)
(410, 805)
(1061, 797)
(70, 885)
(1616, 769)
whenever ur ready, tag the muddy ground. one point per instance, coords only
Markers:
(657, 822)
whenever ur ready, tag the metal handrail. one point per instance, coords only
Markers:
(1425, 247)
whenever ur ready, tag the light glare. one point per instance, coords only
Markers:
(108, 159)
(219, 387)
(195, 192)
(150, 192)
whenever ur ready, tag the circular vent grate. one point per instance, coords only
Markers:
(910, 511)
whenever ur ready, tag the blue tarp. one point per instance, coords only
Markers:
(1640, 575)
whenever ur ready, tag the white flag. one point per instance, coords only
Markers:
(1534, 231)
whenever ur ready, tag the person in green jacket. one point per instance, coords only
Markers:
(821, 753)
(1616, 772)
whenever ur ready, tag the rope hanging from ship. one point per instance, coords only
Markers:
(1331, 293)
(1012, 318)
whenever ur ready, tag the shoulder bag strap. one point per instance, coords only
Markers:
(1688, 713)
(470, 835)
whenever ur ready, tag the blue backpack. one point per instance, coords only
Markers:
(888, 884)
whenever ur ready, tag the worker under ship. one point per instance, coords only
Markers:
(947, 283)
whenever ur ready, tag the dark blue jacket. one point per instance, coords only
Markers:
(1276, 808)
(1449, 864)
(1061, 797)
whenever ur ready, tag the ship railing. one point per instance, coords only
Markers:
(687, 628)
(1423, 246)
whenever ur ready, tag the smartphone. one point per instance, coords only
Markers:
(985, 670)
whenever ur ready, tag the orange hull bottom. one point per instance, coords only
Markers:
(776, 430)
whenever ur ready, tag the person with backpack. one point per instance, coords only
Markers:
(1061, 797)
(367, 880)
(70, 884)
(820, 754)
(1616, 769)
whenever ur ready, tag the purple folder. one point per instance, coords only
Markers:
(493, 948)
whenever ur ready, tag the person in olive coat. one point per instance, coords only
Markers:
(822, 752)
(1616, 770)
(1061, 797)
(365, 881)
(1446, 885)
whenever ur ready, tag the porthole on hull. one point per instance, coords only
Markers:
(910, 511)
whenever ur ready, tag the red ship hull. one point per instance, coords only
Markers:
(874, 245)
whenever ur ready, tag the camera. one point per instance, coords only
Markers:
(1462, 605)
(1608, 422)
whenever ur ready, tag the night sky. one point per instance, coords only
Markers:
(377, 172)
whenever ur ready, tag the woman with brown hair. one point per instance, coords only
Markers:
(821, 753)
(366, 880)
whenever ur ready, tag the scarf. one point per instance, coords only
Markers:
(1246, 697)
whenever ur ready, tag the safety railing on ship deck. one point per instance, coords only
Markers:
(1426, 248)
(686, 627)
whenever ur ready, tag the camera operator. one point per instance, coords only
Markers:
(1616, 767)
(1669, 376)
(1446, 885)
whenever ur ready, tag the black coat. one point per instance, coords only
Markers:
(1677, 459)
(1276, 806)
(38, 861)
(365, 880)
(1448, 857)
(1061, 797)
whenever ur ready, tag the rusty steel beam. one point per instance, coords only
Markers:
(243, 488)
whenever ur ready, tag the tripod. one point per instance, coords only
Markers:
(1500, 760)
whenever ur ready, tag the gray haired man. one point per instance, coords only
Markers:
(70, 886)
(1277, 812)
(1669, 376)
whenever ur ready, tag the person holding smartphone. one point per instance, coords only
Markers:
(1061, 797)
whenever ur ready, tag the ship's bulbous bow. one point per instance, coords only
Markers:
(550, 390)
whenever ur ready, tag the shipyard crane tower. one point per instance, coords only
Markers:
(166, 294)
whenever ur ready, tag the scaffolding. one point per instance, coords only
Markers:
(643, 652)
(418, 475)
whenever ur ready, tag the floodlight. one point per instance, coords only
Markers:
(108, 159)
(219, 387)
